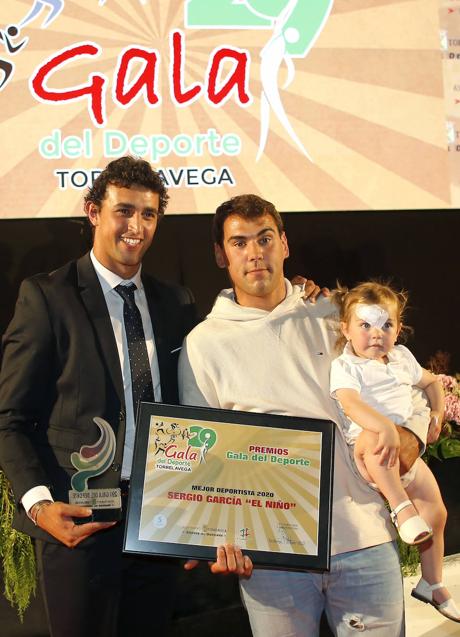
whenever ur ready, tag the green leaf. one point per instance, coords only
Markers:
(449, 448)
(409, 557)
(16, 553)
(432, 451)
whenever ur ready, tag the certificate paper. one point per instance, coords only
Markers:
(204, 477)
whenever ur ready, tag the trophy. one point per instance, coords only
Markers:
(92, 461)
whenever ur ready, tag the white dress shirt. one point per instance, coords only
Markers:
(109, 280)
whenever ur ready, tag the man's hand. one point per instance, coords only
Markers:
(56, 519)
(311, 290)
(230, 559)
(409, 450)
(388, 446)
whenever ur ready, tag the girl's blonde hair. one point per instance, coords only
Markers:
(369, 293)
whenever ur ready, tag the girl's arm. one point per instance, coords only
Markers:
(371, 420)
(433, 388)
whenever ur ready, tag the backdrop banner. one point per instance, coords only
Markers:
(313, 104)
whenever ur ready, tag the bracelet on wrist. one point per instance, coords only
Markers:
(36, 508)
(435, 419)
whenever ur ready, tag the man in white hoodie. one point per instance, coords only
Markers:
(263, 348)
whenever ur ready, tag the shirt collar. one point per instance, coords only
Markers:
(351, 356)
(393, 355)
(110, 280)
(288, 287)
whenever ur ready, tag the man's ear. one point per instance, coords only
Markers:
(92, 212)
(284, 241)
(220, 256)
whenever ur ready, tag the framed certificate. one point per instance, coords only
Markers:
(204, 477)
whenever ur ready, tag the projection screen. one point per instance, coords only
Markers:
(312, 104)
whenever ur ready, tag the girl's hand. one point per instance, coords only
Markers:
(434, 428)
(388, 445)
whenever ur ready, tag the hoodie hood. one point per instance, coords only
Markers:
(226, 308)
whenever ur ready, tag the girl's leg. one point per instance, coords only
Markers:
(425, 494)
(387, 480)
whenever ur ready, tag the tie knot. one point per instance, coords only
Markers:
(126, 291)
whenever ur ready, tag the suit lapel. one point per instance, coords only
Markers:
(93, 299)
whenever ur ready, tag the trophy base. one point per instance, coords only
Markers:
(104, 503)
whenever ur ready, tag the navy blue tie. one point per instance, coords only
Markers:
(141, 375)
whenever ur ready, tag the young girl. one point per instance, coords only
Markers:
(372, 381)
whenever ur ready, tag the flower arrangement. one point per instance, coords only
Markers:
(446, 446)
(448, 443)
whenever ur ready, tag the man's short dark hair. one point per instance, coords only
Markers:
(246, 206)
(125, 173)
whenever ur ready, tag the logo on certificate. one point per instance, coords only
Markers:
(160, 521)
(178, 447)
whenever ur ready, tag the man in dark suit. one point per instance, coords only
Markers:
(66, 360)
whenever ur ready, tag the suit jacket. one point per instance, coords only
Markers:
(61, 368)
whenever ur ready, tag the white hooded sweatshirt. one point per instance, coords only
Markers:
(279, 362)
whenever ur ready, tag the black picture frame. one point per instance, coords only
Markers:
(286, 560)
